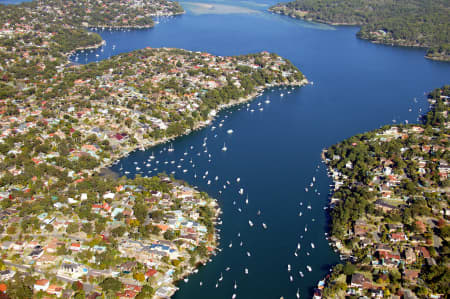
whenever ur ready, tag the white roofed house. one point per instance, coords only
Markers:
(109, 195)
(161, 250)
(72, 271)
(17, 246)
(184, 192)
(7, 274)
(129, 246)
(46, 260)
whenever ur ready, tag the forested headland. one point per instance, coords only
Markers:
(417, 23)
(389, 217)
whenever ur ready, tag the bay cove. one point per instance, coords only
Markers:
(357, 87)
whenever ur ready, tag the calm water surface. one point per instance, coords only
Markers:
(358, 86)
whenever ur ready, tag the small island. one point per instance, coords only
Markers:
(390, 210)
(65, 229)
(412, 23)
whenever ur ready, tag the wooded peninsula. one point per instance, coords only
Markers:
(416, 23)
(390, 209)
(65, 230)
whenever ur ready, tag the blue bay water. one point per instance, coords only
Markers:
(15, 2)
(358, 86)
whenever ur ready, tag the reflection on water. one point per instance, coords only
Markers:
(199, 8)
(298, 22)
(256, 4)
(5, 2)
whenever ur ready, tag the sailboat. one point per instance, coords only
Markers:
(224, 148)
(170, 148)
(298, 293)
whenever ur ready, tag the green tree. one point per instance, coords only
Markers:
(21, 288)
(86, 227)
(72, 228)
(349, 269)
(111, 284)
(140, 211)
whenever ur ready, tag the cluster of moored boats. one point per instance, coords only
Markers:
(411, 109)
(191, 162)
